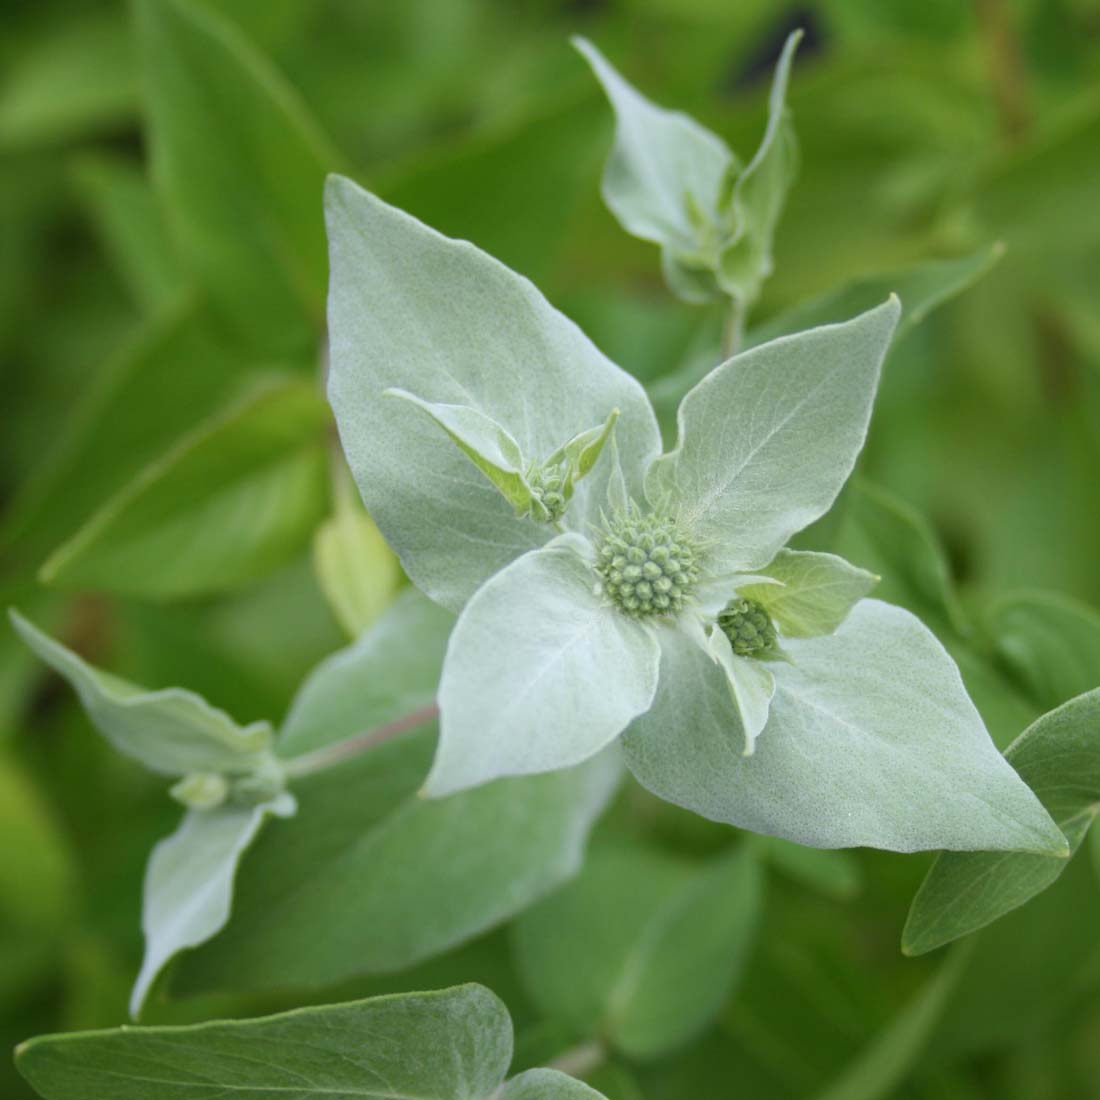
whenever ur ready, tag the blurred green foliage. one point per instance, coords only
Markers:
(162, 280)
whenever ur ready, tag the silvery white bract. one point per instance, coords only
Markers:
(660, 592)
(671, 181)
(228, 778)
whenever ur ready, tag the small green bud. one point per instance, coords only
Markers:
(548, 484)
(647, 565)
(201, 790)
(748, 626)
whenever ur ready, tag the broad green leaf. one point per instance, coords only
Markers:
(232, 501)
(1051, 644)
(767, 439)
(540, 674)
(548, 1084)
(760, 192)
(831, 872)
(887, 1063)
(485, 443)
(391, 671)
(243, 184)
(492, 343)
(922, 289)
(641, 948)
(1058, 756)
(357, 571)
(451, 1045)
(189, 882)
(76, 79)
(871, 741)
(124, 211)
(171, 731)
(370, 878)
(816, 594)
(751, 686)
(893, 540)
(666, 176)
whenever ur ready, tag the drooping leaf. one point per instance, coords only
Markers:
(243, 185)
(171, 731)
(451, 1045)
(490, 342)
(760, 192)
(666, 176)
(370, 878)
(767, 439)
(357, 571)
(1050, 643)
(871, 740)
(189, 882)
(816, 592)
(1059, 758)
(230, 502)
(540, 674)
(548, 1084)
(641, 948)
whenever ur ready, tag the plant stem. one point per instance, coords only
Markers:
(581, 1059)
(333, 755)
(733, 330)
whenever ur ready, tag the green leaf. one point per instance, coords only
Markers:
(124, 211)
(548, 1084)
(391, 671)
(871, 740)
(372, 879)
(357, 571)
(641, 948)
(189, 882)
(760, 192)
(171, 731)
(582, 452)
(1050, 644)
(1058, 756)
(767, 439)
(666, 176)
(836, 874)
(817, 592)
(452, 1045)
(243, 185)
(540, 674)
(751, 686)
(232, 501)
(922, 289)
(491, 343)
(485, 443)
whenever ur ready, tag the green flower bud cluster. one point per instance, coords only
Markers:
(548, 484)
(647, 565)
(748, 626)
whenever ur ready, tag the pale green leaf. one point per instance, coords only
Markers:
(641, 948)
(370, 878)
(233, 500)
(540, 674)
(392, 670)
(666, 175)
(767, 439)
(871, 740)
(760, 192)
(357, 571)
(583, 451)
(751, 686)
(1058, 756)
(243, 185)
(452, 1045)
(171, 731)
(815, 594)
(189, 883)
(484, 442)
(491, 343)
(548, 1084)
